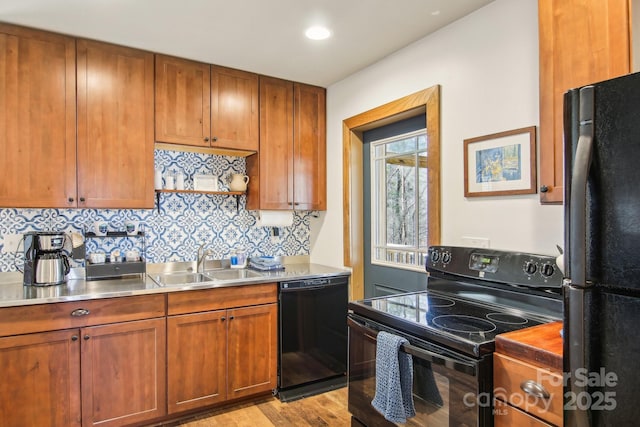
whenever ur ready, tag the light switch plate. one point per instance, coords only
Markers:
(10, 243)
(476, 242)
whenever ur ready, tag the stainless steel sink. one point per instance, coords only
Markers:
(232, 274)
(171, 279)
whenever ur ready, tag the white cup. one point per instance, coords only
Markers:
(100, 228)
(97, 257)
(179, 181)
(131, 227)
(116, 256)
(157, 179)
(169, 182)
(132, 255)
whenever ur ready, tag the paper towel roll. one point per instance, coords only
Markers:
(275, 219)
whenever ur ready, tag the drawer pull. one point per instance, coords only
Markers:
(534, 389)
(78, 312)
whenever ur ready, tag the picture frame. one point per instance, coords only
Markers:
(501, 164)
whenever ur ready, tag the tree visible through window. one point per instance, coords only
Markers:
(399, 184)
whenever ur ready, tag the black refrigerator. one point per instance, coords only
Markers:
(602, 254)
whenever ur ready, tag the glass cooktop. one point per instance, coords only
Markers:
(457, 323)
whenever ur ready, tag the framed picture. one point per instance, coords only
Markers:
(501, 164)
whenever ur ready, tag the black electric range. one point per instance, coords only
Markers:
(472, 295)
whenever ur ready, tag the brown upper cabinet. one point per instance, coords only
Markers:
(206, 105)
(37, 118)
(581, 42)
(109, 163)
(115, 126)
(290, 170)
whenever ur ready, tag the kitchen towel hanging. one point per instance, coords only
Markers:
(394, 379)
(275, 219)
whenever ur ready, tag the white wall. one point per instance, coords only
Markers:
(487, 66)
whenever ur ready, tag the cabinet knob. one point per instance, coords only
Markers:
(296, 204)
(544, 188)
(223, 318)
(215, 138)
(206, 139)
(74, 338)
(71, 199)
(86, 337)
(231, 317)
(82, 199)
(79, 312)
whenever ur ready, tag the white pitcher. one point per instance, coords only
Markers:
(238, 182)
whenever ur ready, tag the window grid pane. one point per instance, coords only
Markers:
(399, 200)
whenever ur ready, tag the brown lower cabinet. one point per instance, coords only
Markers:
(123, 372)
(122, 361)
(40, 383)
(115, 373)
(223, 353)
(83, 363)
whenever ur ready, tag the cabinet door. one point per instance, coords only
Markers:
(41, 380)
(309, 149)
(252, 351)
(197, 353)
(183, 98)
(276, 144)
(234, 109)
(123, 372)
(581, 42)
(37, 119)
(115, 126)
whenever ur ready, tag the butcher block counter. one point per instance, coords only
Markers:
(539, 345)
(527, 377)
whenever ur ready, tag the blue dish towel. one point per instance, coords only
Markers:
(394, 379)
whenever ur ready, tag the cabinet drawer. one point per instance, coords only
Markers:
(219, 298)
(508, 416)
(48, 317)
(511, 375)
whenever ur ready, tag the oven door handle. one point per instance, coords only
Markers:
(435, 358)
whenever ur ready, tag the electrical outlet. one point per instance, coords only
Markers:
(476, 242)
(275, 235)
(10, 243)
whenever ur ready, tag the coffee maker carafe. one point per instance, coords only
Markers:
(45, 261)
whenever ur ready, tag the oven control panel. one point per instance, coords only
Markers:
(518, 268)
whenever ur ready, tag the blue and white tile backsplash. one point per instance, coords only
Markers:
(185, 221)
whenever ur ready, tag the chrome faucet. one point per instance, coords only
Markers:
(202, 255)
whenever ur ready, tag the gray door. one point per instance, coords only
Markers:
(382, 280)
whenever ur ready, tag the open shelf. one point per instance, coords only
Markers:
(93, 235)
(236, 194)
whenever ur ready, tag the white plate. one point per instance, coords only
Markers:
(205, 182)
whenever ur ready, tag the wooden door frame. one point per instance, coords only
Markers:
(426, 102)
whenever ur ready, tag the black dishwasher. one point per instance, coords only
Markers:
(312, 356)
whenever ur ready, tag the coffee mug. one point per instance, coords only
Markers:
(97, 258)
(132, 255)
(131, 227)
(100, 228)
(116, 256)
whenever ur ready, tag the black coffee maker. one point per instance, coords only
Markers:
(45, 260)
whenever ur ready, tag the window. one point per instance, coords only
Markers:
(399, 194)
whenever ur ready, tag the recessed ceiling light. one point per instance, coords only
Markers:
(435, 13)
(317, 33)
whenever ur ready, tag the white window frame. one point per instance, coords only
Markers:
(379, 204)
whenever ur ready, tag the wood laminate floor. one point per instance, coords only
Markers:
(327, 409)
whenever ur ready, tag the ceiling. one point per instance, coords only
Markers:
(263, 36)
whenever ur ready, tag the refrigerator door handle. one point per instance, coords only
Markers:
(576, 289)
(578, 201)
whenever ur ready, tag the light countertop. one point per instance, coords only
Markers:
(14, 293)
